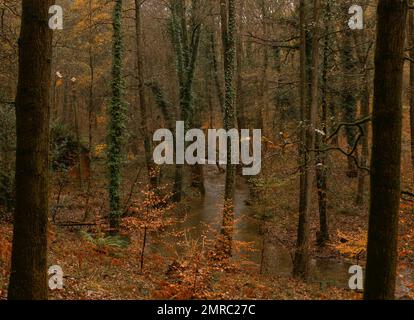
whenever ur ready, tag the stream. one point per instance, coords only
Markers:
(276, 259)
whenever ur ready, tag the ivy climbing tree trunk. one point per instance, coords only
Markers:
(386, 151)
(241, 113)
(28, 277)
(116, 121)
(186, 41)
(228, 24)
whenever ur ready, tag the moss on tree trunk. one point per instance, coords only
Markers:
(116, 121)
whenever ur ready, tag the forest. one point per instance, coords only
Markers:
(206, 150)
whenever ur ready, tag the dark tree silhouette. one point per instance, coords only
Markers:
(28, 278)
(386, 151)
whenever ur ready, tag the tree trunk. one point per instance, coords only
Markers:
(386, 151)
(90, 110)
(363, 52)
(411, 45)
(365, 100)
(301, 255)
(28, 277)
(186, 48)
(209, 75)
(321, 166)
(152, 176)
(77, 134)
(228, 23)
(264, 84)
(216, 73)
(66, 112)
(241, 114)
(301, 261)
(348, 100)
(116, 124)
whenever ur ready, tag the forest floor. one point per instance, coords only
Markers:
(97, 267)
(115, 274)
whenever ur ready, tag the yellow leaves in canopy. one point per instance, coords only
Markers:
(99, 149)
(98, 17)
(102, 16)
(101, 39)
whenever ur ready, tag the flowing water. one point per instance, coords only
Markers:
(275, 258)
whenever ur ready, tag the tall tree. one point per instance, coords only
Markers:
(117, 120)
(141, 97)
(241, 113)
(386, 151)
(91, 109)
(264, 83)
(301, 254)
(411, 45)
(28, 277)
(363, 52)
(186, 40)
(309, 114)
(215, 65)
(228, 25)
(320, 141)
(348, 99)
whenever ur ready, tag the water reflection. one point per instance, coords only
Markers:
(205, 217)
